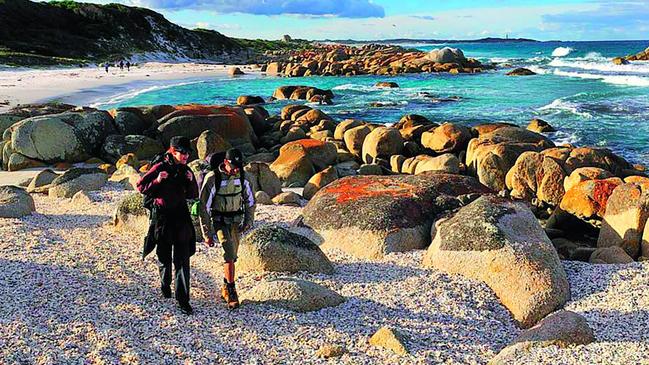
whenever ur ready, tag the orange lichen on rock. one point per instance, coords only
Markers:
(370, 187)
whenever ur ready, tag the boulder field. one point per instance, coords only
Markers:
(497, 203)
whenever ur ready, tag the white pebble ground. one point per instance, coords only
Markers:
(74, 290)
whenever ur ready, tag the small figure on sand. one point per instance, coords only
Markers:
(128, 65)
(227, 208)
(167, 186)
(106, 66)
(121, 65)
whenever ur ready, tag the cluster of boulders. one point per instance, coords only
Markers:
(373, 59)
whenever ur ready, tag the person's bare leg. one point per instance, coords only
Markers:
(228, 271)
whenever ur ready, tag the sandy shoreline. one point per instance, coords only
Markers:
(28, 86)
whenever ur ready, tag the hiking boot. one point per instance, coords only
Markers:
(166, 291)
(185, 308)
(229, 294)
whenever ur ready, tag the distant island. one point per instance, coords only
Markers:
(427, 41)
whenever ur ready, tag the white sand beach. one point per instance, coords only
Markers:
(21, 86)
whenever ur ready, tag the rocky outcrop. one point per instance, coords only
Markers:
(292, 294)
(275, 249)
(328, 60)
(521, 72)
(15, 202)
(502, 244)
(390, 339)
(319, 181)
(370, 216)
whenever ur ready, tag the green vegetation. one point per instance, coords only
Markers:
(66, 4)
(12, 58)
(262, 45)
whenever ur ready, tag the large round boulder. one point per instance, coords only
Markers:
(447, 55)
(130, 121)
(70, 136)
(190, 121)
(75, 180)
(354, 138)
(273, 248)
(345, 125)
(210, 142)
(490, 156)
(292, 294)
(501, 243)
(382, 142)
(370, 216)
(318, 181)
(15, 202)
(299, 160)
(448, 137)
(116, 146)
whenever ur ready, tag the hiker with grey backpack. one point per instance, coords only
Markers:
(226, 208)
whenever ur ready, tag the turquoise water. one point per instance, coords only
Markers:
(578, 90)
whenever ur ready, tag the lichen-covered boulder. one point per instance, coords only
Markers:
(273, 248)
(382, 142)
(75, 180)
(627, 211)
(70, 136)
(370, 216)
(501, 243)
(448, 137)
(292, 294)
(190, 121)
(540, 126)
(562, 329)
(588, 199)
(299, 160)
(15, 202)
(537, 175)
(585, 173)
(18, 162)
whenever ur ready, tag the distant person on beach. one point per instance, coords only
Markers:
(121, 65)
(167, 186)
(227, 208)
(128, 65)
(106, 66)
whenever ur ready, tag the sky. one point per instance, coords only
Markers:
(416, 19)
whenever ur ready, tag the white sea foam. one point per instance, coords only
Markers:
(609, 79)
(129, 95)
(562, 137)
(354, 87)
(561, 105)
(537, 69)
(604, 66)
(561, 51)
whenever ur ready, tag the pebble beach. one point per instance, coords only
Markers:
(77, 291)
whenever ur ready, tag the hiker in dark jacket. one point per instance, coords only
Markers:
(170, 182)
